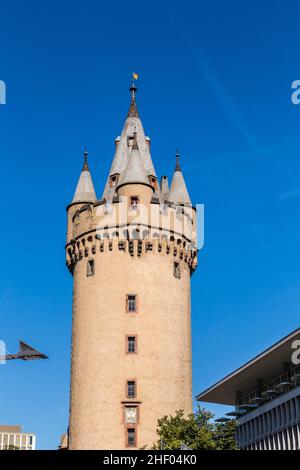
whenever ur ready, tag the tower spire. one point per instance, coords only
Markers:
(133, 111)
(123, 148)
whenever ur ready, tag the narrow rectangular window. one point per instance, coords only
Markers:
(131, 303)
(131, 389)
(90, 267)
(131, 437)
(177, 270)
(131, 344)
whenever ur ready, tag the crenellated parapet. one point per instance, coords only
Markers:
(88, 246)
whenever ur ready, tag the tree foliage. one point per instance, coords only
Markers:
(197, 431)
(10, 447)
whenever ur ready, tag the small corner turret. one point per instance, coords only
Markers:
(84, 195)
(85, 191)
(178, 191)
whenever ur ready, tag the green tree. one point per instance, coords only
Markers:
(11, 447)
(197, 431)
(224, 435)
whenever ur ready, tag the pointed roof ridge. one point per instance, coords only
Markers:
(135, 171)
(133, 111)
(178, 190)
(85, 191)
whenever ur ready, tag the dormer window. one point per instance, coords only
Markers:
(113, 180)
(153, 181)
(130, 140)
(134, 202)
(148, 142)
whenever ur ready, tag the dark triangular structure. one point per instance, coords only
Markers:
(26, 352)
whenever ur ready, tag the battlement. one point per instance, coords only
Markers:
(86, 247)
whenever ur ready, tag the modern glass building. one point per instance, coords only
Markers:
(265, 393)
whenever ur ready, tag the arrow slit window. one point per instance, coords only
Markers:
(177, 270)
(90, 268)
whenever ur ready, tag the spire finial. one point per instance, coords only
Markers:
(133, 90)
(85, 162)
(177, 167)
(133, 112)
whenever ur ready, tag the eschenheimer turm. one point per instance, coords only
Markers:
(131, 254)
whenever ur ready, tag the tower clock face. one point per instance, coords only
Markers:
(131, 414)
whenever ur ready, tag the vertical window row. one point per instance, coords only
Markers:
(131, 409)
(90, 268)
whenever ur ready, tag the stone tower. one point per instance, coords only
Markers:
(131, 254)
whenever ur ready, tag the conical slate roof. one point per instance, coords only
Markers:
(135, 171)
(123, 150)
(85, 191)
(178, 191)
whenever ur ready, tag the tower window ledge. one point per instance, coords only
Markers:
(131, 402)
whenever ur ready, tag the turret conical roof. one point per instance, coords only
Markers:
(85, 191)
(135, 171)
(178, 191)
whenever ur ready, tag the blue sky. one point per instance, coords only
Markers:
(215, 80)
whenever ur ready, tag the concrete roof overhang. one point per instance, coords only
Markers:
(267, 365)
